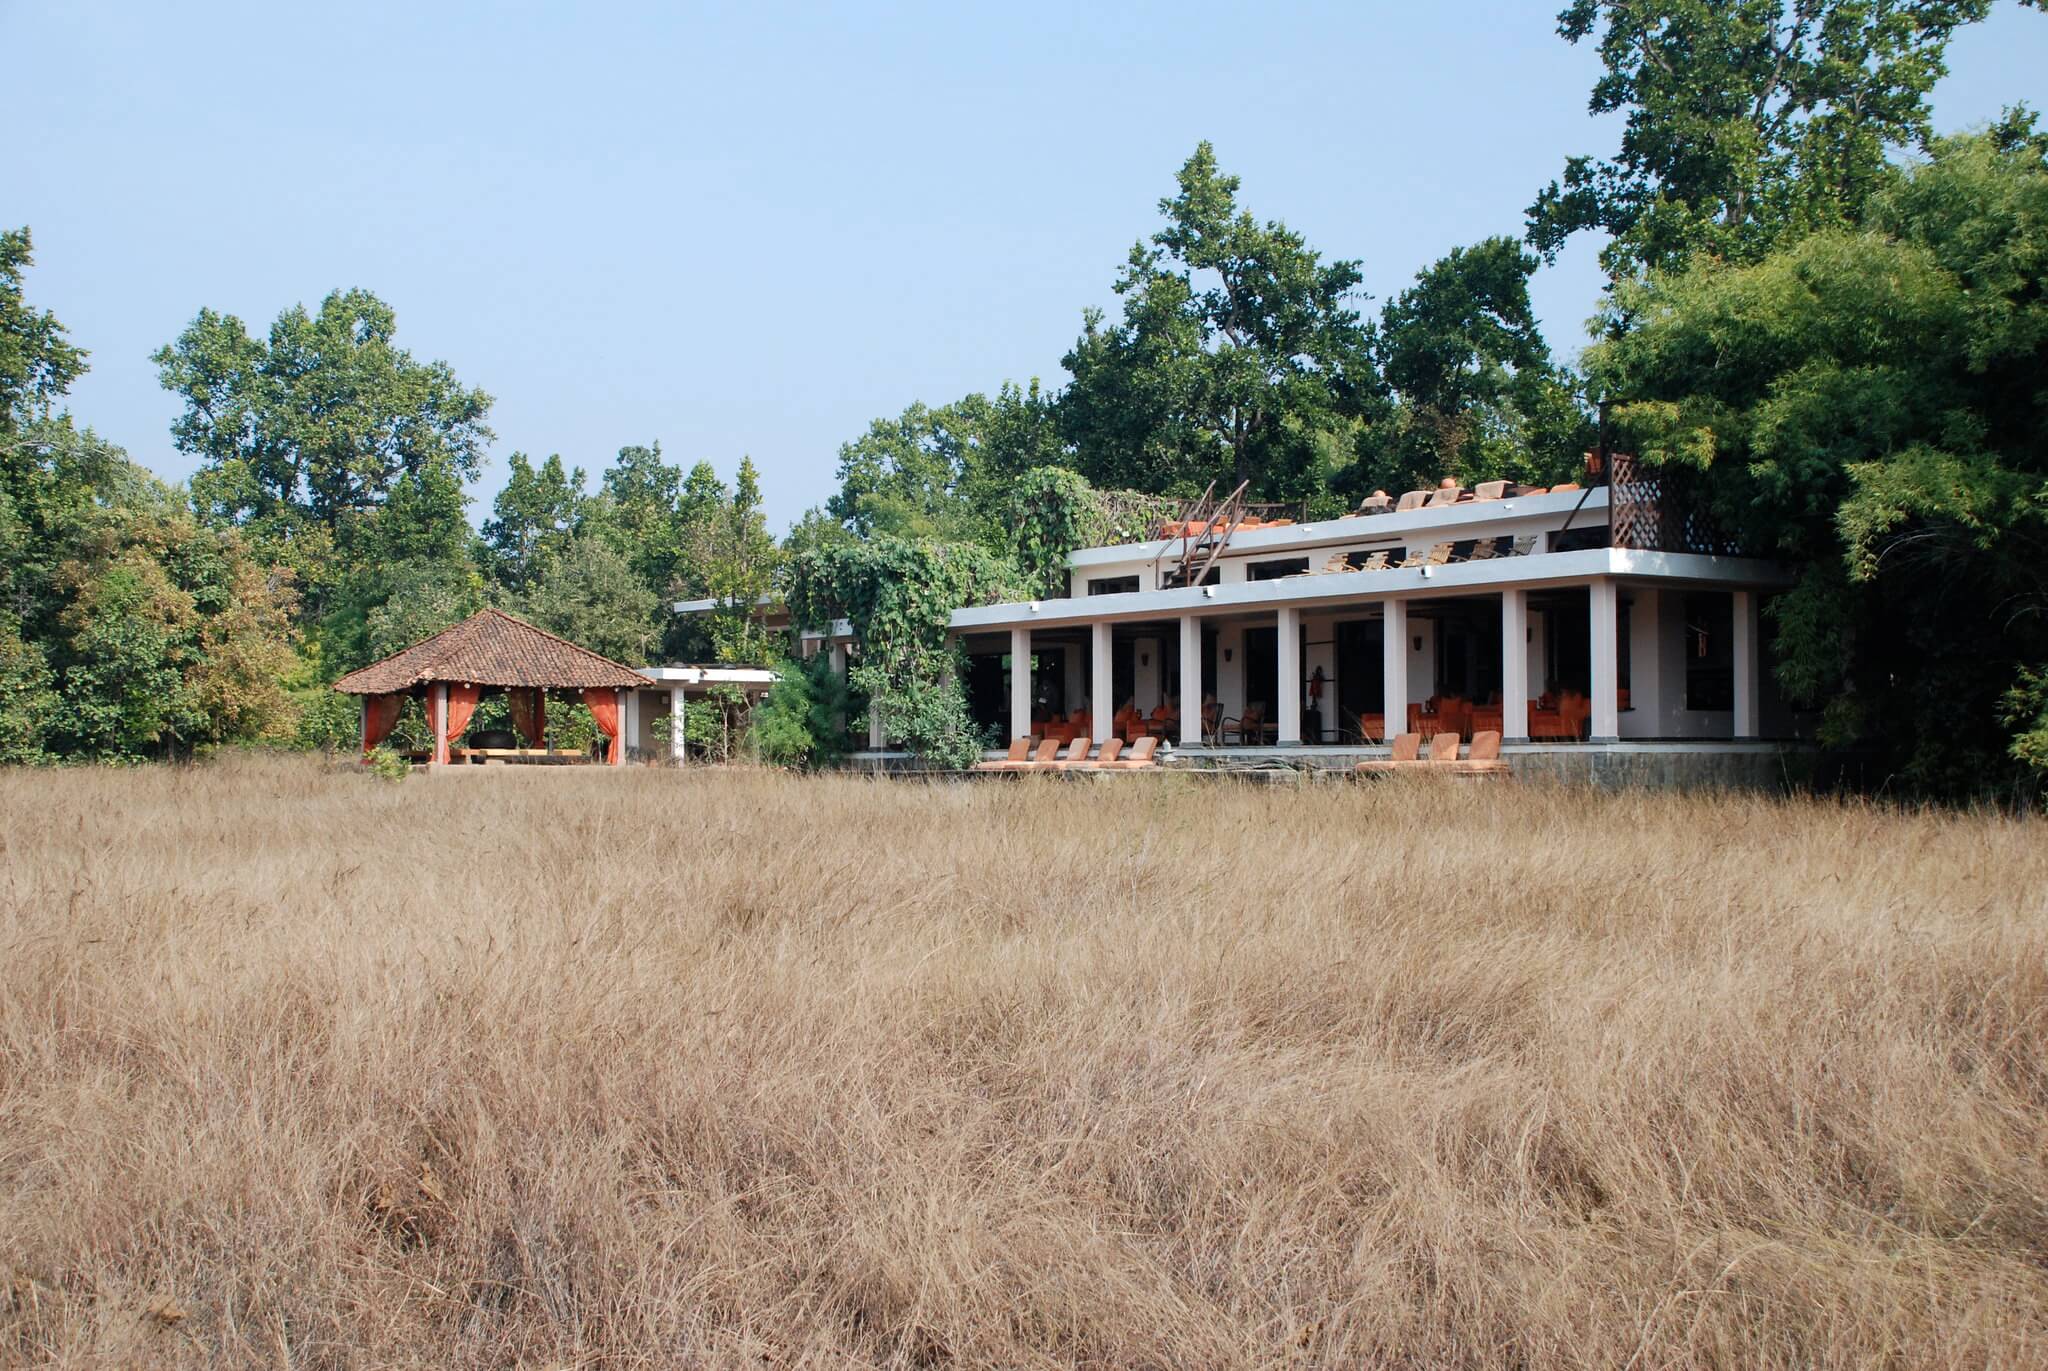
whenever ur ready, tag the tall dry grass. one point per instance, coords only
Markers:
(299, 1068)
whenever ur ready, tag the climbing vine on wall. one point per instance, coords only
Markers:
(1052, 512)
(899, 598)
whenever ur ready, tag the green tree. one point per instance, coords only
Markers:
(591, 595)
(37, 363)
(738, 559)
(800, 720)
(1748, 122)
(1478, 397)
(1868, 405)
(532, 520)
(899, 597)
(1238, 344)
(304, 434)
(638, 510)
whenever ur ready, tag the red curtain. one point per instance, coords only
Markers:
(380, 716)
(529, 714)
(461, 704)
(604, 710)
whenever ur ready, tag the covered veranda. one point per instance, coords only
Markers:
(1592, 646)
(492, 653)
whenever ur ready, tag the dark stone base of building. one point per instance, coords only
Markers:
(1676, 765)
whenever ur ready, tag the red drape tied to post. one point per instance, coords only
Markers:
(604, 710)
(529, 714)
(461, 704)
(380, 716)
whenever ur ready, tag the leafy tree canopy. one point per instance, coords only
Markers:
(1477, 394)
(1237, 344)
(1748, 122)
(1869, 405)
(37, 363)
(305, 433)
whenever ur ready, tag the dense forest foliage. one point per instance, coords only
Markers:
(1831, 317)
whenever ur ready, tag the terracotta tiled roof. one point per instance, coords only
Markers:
(490, 648)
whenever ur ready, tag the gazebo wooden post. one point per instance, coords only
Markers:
(619, 743)
(364, 701)
(438, 712)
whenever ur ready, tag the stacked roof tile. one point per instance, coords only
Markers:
(490, 648)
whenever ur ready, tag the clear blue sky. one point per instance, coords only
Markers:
(750, 229)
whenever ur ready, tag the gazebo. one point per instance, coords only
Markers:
(486, 653)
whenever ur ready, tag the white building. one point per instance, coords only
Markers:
(1568, 619)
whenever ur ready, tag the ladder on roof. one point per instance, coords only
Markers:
(1198, 537)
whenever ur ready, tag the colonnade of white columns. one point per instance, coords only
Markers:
(1604, 610)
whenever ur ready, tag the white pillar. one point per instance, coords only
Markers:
(628, 702)
(1394, 665)
(1745, 659)
(877, 739)
(1514, 664)
(1100, 705)
(675, 724)
(1020, 683)
(1288, 650)
(1190, 681)
(1606, 609)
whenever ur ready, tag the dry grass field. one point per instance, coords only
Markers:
(301, 1068)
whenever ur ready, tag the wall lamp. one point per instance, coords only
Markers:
(1208, 592)
(1034, 606)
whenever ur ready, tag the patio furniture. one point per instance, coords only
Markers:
(1445, 495)
(1107, 754)
(1372, 727)
(1483, 757)
(1489, 490)
(1250, 726)
(1443, 748)
(1379, 502)
(1438, 555)
(1140, 757)
(1406, 752)
(1414, 499)
(1376, 562)
(1042, 756)
(1019, 755)
(1077, 751)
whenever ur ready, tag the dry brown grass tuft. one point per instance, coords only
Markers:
(301, 1068)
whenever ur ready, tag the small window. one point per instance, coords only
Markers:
(1273, 571)
(1113, 585)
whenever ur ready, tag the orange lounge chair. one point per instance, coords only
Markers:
(1103, 757)
(1077, 751)
(1483, 758)
(1443, 748)
(1140, 757)
(1020, 756)
(1042, 759)
(1406, 752)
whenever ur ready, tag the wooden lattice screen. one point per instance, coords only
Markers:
(1656, 509)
